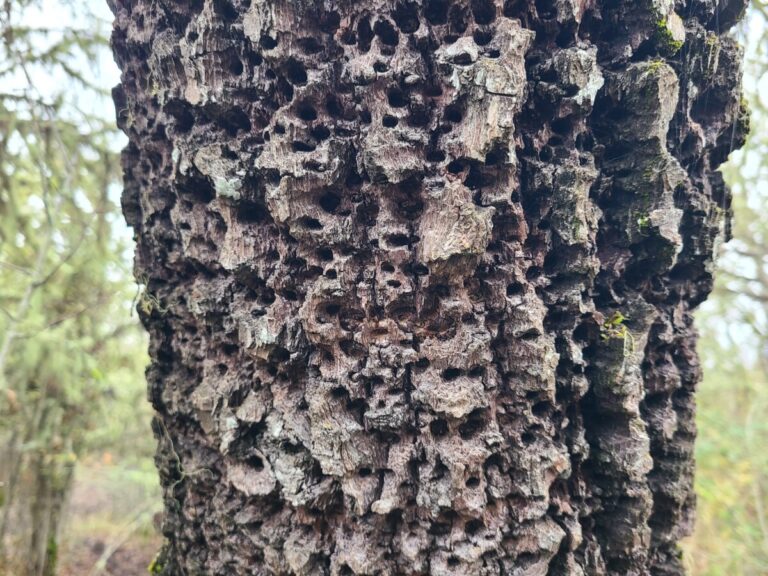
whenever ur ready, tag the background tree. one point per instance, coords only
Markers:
(67, 347)
(732, 528)
(421, 274)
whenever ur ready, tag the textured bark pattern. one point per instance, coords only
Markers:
(420, 276)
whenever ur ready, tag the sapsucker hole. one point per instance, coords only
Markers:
(438, 427)
(436, 11)
(406, 16)
(483, 11)
(296, 72)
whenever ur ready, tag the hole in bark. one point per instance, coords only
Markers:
(387, 267)
(561, 126)
(235, 65)
(515, 288)
(182, 115)
(419, 269)
(440, 528)
(473, 482)
(320, 132)
(389, 121)
(397, 240)
(333, 106)
(199, 188)
(495, 157)
(268, 43)
(419, 116)
(484, 11)
(527, 438)
(406, 16)
(473, 527)
(364, 472)
(476, 372)
(533, 272)
(475, 423)
(397, 98)
(289, 294)
(285, 88)
(435, 156)
(386, 32)
(279, 355)
(474, 179)
(299, 146)
(251, 212)
(325, 254)
(332, 309)
(339, 392)
(295, 72)
(410, 208)
(232, 119)
(545, 9)
(453, 113)
(266, 295)
(458, 19)
(380, 67)
(255, 59)
(309, 45)
(225, 10)
(585, 142)
(311, 223)
(433, 90)
(541, 409)
(329, 22)
(307, 112)
(331, 274)
(329, 202)
(436, 11)
(565, 37)
(438, 427)
(456, 167)
(453, 561)
(451, 374)
(364, 35)
(482, 37)
(546, 154)
(394, 283)
(555, 141)
(365, 116)
(352, 349)
(348, 37)
(255, 462)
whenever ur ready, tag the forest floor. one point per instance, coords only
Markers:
(110, 528)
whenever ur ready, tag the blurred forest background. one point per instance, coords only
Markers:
(78, 490)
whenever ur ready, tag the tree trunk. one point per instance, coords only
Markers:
(419, 276)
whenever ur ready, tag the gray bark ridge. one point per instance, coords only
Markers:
(420, 276)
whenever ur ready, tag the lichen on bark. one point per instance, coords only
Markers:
(425, 272)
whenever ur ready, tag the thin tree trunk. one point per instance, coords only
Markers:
(420, 276)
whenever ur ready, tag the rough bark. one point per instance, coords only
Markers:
(420, 276)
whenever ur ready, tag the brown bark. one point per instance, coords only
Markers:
(420, 276)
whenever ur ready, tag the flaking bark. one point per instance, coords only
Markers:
(420, 276)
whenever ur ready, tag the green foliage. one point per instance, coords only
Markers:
(71, 354)
(615, 327)
(731, 534)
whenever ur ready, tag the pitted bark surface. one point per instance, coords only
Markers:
(420, 276)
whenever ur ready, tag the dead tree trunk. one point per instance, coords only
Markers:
(420, 276)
